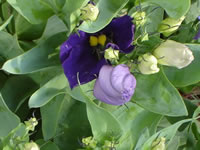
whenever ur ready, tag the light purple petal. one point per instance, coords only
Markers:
(105, 81)
(121, 89)
(118, 74)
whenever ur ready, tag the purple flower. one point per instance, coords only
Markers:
(83, 54)
(198, 34)
(115, 85)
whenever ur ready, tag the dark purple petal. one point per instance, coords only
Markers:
(115, 85)
(122, 31)
(197, 35)
(112, 45)
(78, 59)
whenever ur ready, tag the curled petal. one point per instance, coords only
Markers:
(115, 85)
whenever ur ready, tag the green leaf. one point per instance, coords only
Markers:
(143, 137)
(71, 7)
(27, 31)
(154, 18)
(155, 93)
(3, 26)
(14, 139)
(3, 79)
(168, 133)
(47, 145)
(13, 94)
(87, 90)
(9, 47)
(8, 120)
(108, 9)
(72, 126)
(55, 5)
(35, 11)
(135, 119)
(104, 125)
(190, 108)
(194, 11)
(40, 57)
(54, 87)
(196, 112)
(51, 113)
(185, 34)
(54, 26)
(188, 75)
(71, 13)
(174, 8)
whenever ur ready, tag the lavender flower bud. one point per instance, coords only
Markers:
(31, 146)
(89, 12)
(172, 53)
(170, 25)
(115, 85)
(148, 64)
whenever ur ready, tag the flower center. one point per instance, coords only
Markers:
(94, 40)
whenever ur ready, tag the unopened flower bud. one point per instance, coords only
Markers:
(147, 64)
(89, 12)
(108, 145)
(170, 25)
(158, 144)
(31, 123)
(31, 146)
(89, 142)
(172, 53)
(115, 85)
(111, 54)
(139, 18)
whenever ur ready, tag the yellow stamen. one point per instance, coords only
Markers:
(102, 39)
(93, 41)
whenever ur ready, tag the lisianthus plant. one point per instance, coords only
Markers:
(99, 74)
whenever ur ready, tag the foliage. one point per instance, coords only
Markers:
(165, 105)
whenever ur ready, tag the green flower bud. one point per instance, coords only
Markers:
(111, 54)
(89, 12)
(31, 146)
(108, 145)
(170, 25)
(31, 123)
(158, 144)
(89, 142)
(172, 53)
(139, 18)
(147, 64)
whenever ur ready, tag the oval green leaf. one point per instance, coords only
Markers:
(54, 87)
(108, 9)
(155, 93)
(35, 11)
(40, 57)
(174, 8)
